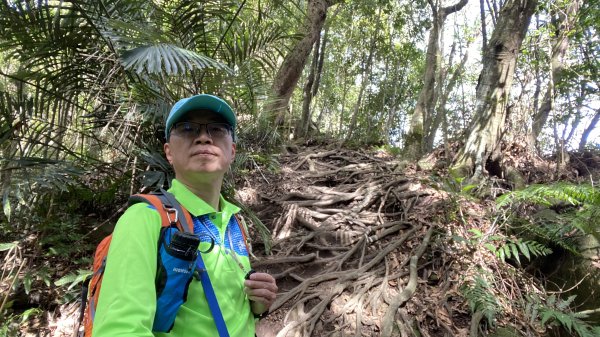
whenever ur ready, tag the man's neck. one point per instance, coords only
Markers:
(209, 191)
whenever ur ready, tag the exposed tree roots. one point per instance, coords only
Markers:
(351, 249)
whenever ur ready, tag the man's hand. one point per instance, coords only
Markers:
(262, 290)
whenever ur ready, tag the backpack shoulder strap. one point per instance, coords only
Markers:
(185, 218)
(170, 211)
(244, 230)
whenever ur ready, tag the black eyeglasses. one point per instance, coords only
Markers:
(192, 130)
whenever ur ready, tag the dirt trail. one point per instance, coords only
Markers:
(355, 247)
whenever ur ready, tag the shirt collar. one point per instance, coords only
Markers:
(197, 206)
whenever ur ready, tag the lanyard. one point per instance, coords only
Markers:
(211, 298)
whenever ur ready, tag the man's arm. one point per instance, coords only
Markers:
(127, 300)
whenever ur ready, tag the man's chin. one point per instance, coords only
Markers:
(207, 170)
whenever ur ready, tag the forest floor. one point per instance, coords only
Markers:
(367, 244)
(363, 243)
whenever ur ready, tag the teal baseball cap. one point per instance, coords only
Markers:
(200, 102)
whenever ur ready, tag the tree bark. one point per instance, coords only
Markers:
(312, 84)
(493, 89)
(365, 80)
(440, 117)
(287, 76)
(424, 110)
(560, 46)
(588, 130)
(304, 123)
(483, 24)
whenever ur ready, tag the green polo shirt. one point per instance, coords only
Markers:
(127, 301)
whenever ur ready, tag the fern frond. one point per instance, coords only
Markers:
(481, 298)
(537, 249)
(555, 234)
(513, 248)
(556, 311)
(549, 195)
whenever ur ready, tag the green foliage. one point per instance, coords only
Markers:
(512, 248)
(549, 195)
(386, 148)
(262, 229)
(10, 326)
(511, 238)
(8, 246)
(7, 329)
(506, 247)
(109, 74)
(456, 187)
(562, 213)
(554, 311)
(578, 209)
(166, 58)
(73, 279)
(246, 162)
(480, 297)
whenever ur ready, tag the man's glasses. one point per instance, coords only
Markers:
(192, 130)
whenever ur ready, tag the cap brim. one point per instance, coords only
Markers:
(200, 102)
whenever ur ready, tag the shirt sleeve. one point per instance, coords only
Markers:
(127, 300)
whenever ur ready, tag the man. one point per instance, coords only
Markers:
(200, 146)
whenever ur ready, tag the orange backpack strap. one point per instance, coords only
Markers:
(95, 282)
(171, 212)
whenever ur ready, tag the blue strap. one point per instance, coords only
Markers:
(211, 298)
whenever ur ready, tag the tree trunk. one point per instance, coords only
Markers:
(588, 130)
(564, 28)
(483, 24)
(365, 80)
(345, 90)
(493, 89)
(288, 74)
(441, 108)
(423, 113)
(366, 75)
(312, 84)
(304, 123)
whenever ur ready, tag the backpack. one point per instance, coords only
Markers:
(176, 224)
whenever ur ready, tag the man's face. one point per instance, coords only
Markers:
(198, 157)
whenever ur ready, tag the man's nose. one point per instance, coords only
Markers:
(203, 134)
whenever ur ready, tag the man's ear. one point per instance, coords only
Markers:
(167, 149)
(232, 151)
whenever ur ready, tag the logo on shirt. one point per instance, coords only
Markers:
(181, 270)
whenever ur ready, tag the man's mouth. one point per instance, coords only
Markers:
(203, 153)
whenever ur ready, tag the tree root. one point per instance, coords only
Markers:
(345, 238)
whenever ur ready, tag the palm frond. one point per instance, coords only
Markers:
(199, 25)
(167, 59)
(263, 46)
